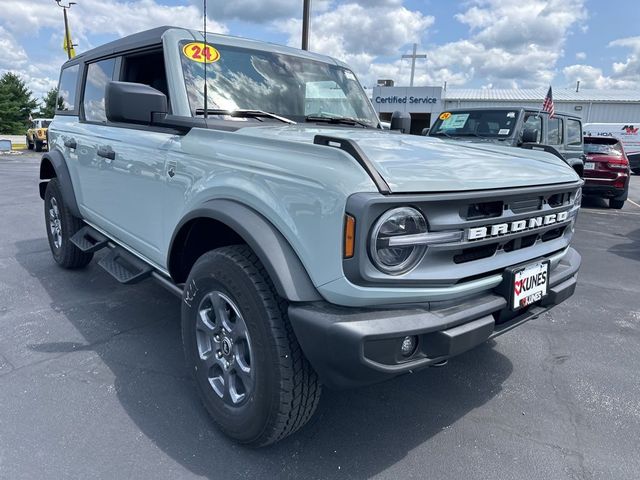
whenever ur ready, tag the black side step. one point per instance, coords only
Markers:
(125, 267)
(89, 239)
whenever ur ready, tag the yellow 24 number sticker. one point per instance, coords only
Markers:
(445, 115)
(201, 53)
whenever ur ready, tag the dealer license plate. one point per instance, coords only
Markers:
(530, 283)
(589, 165)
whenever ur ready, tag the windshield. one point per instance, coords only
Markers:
(475, 123)
(286, 85)
(45, 123)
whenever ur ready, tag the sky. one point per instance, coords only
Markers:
(470, 43)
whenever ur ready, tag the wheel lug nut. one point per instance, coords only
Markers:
(219, 354)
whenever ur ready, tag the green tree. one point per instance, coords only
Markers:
(16, 104)
(51, 102)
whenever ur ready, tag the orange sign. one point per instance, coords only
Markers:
(445, 115)
(201, 53)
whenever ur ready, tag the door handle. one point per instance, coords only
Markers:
(71, 143)
(107, 152)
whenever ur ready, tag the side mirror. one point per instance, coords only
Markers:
(425, 131)
(401, 121)
(530, 135)
(128, 102)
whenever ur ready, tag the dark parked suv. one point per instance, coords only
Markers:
(515, 127)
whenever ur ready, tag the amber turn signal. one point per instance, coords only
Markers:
(349, 235)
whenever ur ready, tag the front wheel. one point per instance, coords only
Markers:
(39, 145)
(61, 226)
(248, 366)
(29, 144)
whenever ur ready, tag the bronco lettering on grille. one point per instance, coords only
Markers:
(498, 229)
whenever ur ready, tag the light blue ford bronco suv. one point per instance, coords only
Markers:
(308, 246)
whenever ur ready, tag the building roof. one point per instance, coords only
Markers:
(538, 94)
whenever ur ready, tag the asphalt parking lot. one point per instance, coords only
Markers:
(93, 384)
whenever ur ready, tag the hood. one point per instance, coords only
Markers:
(412, 163)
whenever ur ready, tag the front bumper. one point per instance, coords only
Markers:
(349, 347)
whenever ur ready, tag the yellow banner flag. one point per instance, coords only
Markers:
(67, 44)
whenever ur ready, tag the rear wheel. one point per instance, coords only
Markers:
(616, 204)
(29, 144)
(39, 145)
(248, 366)
(61, 226)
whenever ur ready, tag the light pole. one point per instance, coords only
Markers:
(68, 46)
(306, 14)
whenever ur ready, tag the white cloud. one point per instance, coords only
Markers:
(581, 55)
(512, 43)
(624, 74)
(359, 34)
(13, 55)
(87, 17)
(109, 16)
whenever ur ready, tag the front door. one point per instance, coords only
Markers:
(121, 171)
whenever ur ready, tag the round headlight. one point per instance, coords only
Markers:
(397, 259)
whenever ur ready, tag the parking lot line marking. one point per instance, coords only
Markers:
(633, 202)
(609, 213)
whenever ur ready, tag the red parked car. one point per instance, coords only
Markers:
(606, 170)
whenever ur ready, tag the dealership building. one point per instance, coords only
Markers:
(425, 103)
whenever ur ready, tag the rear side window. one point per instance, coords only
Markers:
(555, 131)
(98, 74)
(574, 132)
(67, 89)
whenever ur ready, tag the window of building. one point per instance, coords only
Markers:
(98, 75)
(574, 132)
(67, 89)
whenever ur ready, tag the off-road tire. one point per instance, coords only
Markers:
(29, 144)
(616, 204)
(66, 254)
(39, 145)
(286, 389)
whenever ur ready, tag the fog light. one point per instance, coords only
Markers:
(409, 345)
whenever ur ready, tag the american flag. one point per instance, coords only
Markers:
(547, 105)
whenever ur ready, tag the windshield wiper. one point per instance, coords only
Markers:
(336, 119)
(257, 114)
(444, 134)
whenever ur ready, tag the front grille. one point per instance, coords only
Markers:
(526, 205)
(475, 253)
(471, 211)
(477, 211)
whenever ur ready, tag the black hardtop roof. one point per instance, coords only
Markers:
(130, 42)
(520, 109)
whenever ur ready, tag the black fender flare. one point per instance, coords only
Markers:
(56, 159)
(283, 265)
